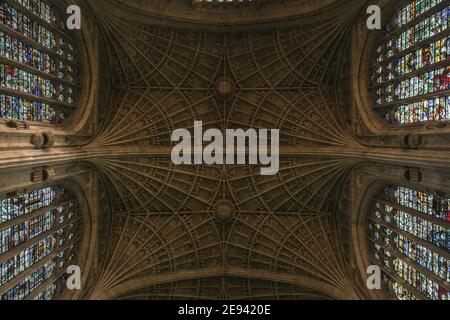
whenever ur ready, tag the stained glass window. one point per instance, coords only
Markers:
(38, 70)
(411, 74)
(38, 238)
(48, 293)
(409, 236)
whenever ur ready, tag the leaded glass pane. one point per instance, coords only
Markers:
(409, 238)
(411, 76)
(38, 71)
(38, 239)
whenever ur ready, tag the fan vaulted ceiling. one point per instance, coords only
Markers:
(223, 231)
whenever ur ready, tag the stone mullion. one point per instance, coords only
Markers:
(36, 18)
(404, 283)
(424, 43)
(59, 272)
(45, 284)
(30, 242)
(439, 7)
(396, 102)
(33, 214)
(33, 43)
(413, 238)
(32, 97)
(418, 214)
(396, 252)
(34, 71)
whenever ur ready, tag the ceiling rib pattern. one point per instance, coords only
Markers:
(227, 223)
(167, 78)
(155, 186)
(148, 246)
(225, 288)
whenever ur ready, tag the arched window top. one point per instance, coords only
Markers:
(409, 238)
(38, 66)
(411, 74)
(39, 235)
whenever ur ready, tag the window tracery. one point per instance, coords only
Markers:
(411, 77)
(38, 239)
(38, 69)
(409, 237)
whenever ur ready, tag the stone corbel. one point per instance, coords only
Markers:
(413, 175)
(42, 174)
(410, 141)
(37, 176)
(43, 140)
(19, 125)
(437, 125)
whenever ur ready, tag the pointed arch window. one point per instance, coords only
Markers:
(38, 239)
(409, 238)
(411, 74)
(38, 67)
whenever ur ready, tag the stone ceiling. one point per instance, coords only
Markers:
(169, 12)
(223, 231)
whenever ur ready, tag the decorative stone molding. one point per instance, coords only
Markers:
(37, 176)
(42, 174)
(225, 89)
(19, 125)
(411, 141)
(413, 175)
(43, 140)
(37, 140)
(436, 125)
(49, 173)
(224, 211)
(49, 140)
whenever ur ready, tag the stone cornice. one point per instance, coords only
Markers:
(183, 14)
